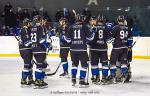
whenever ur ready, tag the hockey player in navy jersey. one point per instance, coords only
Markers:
(26, 53)
(129, 58)
(130, 45)
(77, 35)
(39, 51)
(48, 29)
(98, 50)
(64, 46)
(121, 33)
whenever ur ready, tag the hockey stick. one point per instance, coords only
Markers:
(133, 44)
(50, 74)
(88, 73)
(15, 35)
(138, 38)
(135, 41)
(16, 38)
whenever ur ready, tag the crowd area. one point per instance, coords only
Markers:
(11, 18)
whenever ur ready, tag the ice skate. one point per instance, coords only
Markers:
(104, 80)
(83, 84)
(96, 80)
(25, 83)
(74, 81)
(112, 79)
(40, 84)
(64, 75)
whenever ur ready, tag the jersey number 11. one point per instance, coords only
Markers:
(77, 34)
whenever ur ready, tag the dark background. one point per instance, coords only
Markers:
(139, 8)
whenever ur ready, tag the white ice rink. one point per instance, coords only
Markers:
(10, 73)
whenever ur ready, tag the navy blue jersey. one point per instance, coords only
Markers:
(38, 38)
(25, 37)
(101, 36)
(121, 34)
(37, 35)
(78, 33)
(63, 31)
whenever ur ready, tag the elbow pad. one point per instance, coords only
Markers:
(28, 43)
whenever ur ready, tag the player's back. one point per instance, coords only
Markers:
(37, 33)
(78, 34)
(101, 37)
(120, 34)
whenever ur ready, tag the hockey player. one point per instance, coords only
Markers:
(78, 34)
(92, 27)
(98, 50)
(47, 28)
(129, 59)
(39, 51)
(26, 53)
(130, 42)
(121, 33)
(64, 46)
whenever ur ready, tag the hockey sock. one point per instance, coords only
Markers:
(65, 66)
(83, 73)
(105, 70)
(95, 71)
(74, 71)
(30, 73)
(113, 70)
(124, 69)
(39, 74)
(25, 73)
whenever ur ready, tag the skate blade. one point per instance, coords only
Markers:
(80, 86)
(26, 86)
(40, 87)
(128, 82)
(102, 83)
(84, 86)
(97, 83)
(112, 82)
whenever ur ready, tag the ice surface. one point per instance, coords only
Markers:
(10, 73)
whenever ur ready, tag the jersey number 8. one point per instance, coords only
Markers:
(100, 34)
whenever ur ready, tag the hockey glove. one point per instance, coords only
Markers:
(62, 38)
(130, 41)
(42, 40)
(52, 32)
(28, 43)
(93, 29)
